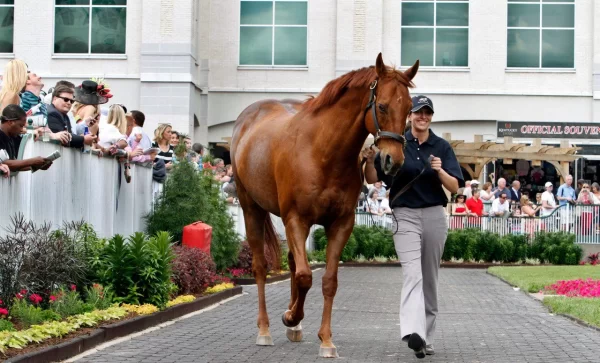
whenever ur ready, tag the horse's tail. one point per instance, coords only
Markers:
(273, 242)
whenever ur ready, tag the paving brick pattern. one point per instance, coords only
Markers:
(481, 319)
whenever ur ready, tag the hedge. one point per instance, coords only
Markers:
(464, 244)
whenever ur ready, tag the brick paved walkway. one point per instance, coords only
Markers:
(481, 320)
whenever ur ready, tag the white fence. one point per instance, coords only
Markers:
(581, 220)
(78, 186)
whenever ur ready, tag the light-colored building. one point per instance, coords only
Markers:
(198, 63)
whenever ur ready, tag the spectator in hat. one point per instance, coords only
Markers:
(62, 99)
(86, 110)
(548, 201)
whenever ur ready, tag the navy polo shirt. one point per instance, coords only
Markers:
(427, 191)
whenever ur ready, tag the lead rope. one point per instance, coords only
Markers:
(402, 191)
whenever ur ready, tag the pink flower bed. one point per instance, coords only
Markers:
(576, 288)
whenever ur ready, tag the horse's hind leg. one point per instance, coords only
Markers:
(254, 217)
(337, 236)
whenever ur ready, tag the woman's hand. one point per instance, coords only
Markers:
(5, 170)
(436, 163)
(369, 154)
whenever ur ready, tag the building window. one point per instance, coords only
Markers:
(273, 33)
(90, 26)
(541, 34)
(7, 25)
(436, 32)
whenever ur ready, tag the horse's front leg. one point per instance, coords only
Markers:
(296, 231)
(337, 236)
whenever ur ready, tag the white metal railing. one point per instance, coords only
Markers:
(581, 220)
(78, 186)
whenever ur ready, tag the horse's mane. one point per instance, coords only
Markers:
(360, 78)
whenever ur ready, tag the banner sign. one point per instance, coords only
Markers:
(549, 130)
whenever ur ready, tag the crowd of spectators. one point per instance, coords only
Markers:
(72, 116)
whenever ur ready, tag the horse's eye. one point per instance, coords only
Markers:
(382, 108)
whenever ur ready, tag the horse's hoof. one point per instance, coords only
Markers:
(264, 340)
(285, 322)
(328, 352)
(294, 334)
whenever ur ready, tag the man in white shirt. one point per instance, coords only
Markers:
(548, 201)
(500, 206)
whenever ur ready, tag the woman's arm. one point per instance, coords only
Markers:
(448, 181)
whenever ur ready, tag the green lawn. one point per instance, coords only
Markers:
(535, 278)
(586, 309)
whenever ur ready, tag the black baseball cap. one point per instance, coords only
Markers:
(421, 101)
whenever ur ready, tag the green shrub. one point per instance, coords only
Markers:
(484, 246)
(50, 315)
(465, 244)
(188, 197)
(318, 256)
(36, 258)
(520, 248)
(557, 248)
(99, 297)
(26, 313)
(6, 325)
(138, 270)
(68, 302)
(366, 241)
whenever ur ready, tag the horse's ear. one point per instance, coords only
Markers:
(379, 66)
(412, 71)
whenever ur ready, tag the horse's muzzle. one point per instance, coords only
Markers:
(388, 165)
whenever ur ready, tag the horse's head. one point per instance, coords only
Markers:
(387, 111)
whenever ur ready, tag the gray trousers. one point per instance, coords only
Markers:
(419, 243)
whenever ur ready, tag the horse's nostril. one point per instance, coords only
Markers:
(388, 161)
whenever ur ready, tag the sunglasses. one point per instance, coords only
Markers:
(66, 99)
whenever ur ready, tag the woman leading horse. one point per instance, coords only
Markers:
(299, 160)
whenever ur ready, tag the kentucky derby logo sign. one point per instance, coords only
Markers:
(549, 130)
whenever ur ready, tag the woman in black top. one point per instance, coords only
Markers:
(420, 221)
(162, 139)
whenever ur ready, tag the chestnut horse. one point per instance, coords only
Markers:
(300, 161)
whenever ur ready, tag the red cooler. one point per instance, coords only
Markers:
(197, 235)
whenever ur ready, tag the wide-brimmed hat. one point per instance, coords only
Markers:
(90, 93)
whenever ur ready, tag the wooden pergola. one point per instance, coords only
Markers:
(479, 153)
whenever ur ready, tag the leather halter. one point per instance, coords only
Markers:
(379, 134)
